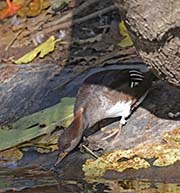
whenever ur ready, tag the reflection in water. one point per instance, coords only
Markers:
(34, 180)
(21, 178)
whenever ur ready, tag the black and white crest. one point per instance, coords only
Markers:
(136, 77)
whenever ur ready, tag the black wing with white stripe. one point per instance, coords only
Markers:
(136, 77)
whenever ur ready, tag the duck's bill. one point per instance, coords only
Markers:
(61, 156)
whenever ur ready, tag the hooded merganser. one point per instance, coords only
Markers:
(105, 94)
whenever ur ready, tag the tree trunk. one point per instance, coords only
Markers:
(154, 27)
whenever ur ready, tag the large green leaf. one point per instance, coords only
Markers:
(37, 124)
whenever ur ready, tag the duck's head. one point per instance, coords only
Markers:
(71, 137)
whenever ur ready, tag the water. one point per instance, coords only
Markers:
(35, 180)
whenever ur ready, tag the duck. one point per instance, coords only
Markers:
(106, 94)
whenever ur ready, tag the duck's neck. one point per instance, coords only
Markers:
(76, 129)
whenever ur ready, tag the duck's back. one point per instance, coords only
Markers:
(103, 94)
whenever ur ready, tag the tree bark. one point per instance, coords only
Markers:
(154, 27)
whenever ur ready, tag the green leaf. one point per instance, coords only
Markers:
(29, 127)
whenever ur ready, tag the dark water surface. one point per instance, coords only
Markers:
(36, 180)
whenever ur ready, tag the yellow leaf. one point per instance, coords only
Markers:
(126, 42)
(136, 158)
(31, 8)
(110, 161)
(42, 50)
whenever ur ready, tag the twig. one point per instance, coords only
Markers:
(90, 151)
(78, 21)
(111, 134)
(95, 14)
(13, 40)
(72, 13)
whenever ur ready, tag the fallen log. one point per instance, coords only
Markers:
(154, 27)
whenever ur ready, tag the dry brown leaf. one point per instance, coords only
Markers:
(11, 155)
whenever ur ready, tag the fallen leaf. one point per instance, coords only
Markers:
(110, 161)
(10, 10)
(173, 136)
(46, 143)
(11, 155)
(135, 158)
(28, 128)
(42, 50)
(126, 42)
(59, 4)
(33, 8)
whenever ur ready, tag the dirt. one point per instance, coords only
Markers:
(89, 43)
(20, 35)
